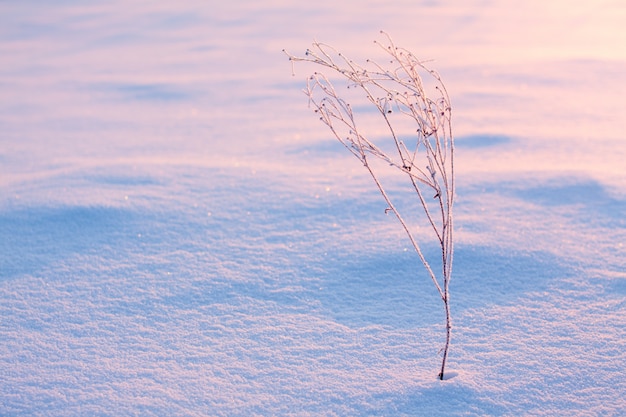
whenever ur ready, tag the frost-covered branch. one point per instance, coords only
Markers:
(426, 155)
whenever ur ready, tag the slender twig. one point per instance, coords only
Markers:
(429, 163)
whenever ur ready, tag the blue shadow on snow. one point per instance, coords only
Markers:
(34, 237)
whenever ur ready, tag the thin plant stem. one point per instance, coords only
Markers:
(398, 91)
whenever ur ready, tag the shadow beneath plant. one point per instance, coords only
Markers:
(449, 375)
(448, 397)
(486, 276)
(393, 289)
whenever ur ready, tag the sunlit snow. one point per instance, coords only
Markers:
(180, 235)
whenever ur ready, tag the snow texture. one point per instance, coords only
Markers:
(180, 236)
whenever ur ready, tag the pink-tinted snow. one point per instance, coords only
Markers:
(179, 235)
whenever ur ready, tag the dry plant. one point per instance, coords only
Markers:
(416, 119)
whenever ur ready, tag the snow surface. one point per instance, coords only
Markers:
(179, 235)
